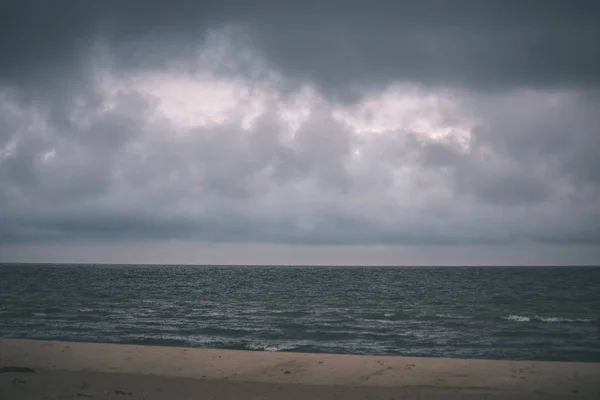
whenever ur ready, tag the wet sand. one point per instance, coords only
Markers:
(67, 370)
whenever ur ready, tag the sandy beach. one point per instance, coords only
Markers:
(33, 369)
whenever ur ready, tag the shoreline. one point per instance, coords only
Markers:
(71, 362)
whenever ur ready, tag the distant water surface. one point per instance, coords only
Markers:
(533, 313)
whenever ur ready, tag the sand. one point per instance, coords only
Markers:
(67, 370)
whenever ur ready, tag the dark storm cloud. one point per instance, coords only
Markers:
(340, 45)
(78, 164)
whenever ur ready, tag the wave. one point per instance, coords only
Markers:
(523, 318)
(150, 341)
(518, 318)
(267, 347)
(289, 313)
(449, 316)
(206, 342)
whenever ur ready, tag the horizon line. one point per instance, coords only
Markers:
(4, 263)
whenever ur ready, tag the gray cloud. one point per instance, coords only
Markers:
(122, 177)
(80, 165)
(341, 45)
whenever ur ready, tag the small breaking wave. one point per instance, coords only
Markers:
(266, 347)
(518, 318)
(523, 318)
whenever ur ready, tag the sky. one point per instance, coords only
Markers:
(300, 132)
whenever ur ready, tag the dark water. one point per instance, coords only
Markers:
(501, 313)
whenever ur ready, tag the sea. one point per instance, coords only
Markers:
(517, 313)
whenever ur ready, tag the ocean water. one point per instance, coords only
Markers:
(533, 313)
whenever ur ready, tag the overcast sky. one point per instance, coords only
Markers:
(300, 132)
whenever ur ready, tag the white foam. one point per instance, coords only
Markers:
(266, 347)
(558, 319)
(378, 321)
(522, 318)
(518, 318)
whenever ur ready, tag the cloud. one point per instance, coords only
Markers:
(122, 166)
(439, 124)
(344, 47)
